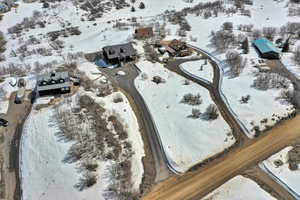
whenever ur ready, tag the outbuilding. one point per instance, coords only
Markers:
(266, 49)
(142, 33)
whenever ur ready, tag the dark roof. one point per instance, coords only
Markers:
(265, 46)
(56, 76)
(121, 50)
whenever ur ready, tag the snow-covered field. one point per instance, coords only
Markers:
(287, 176)
(239, 188)
(262, 15)
(262, 104)
(288, 61)
(44, 175)
(186, 141)
(200, 68)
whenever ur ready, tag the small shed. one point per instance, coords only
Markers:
(141, 33)
(266, 49)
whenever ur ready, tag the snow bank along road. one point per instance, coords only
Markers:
(194, 185)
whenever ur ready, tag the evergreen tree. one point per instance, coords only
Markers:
(245, 46)
(286, 46)
(142, 5)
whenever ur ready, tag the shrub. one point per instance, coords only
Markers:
(211, 112)
(191, 99)
(118, 98)
(195, 113)
(245, 99)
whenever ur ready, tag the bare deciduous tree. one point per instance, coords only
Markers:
(236, 62)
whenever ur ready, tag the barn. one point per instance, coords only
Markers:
(266, 49)
(142, 33)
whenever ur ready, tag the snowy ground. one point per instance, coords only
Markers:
(186, 141)
(262, 15)
(43, 152)
(262, 104)
(239, 188)
(288, 61)
(200, 68)
(44, 175)
(288, 177)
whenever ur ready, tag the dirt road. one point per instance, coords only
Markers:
(267, 183)
(194, 185)
(9, 148)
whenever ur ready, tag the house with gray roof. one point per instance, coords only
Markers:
(53, 83)
(119, 53)
(266, 49)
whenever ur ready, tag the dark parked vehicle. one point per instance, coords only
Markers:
(3, 122)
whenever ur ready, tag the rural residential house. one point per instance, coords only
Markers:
(119, 53)
(142, 33)
(266, 49)
(53, 83)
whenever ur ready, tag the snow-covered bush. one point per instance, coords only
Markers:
(191, 99)
(211, 112)
(222, 39)
(196, 113)
(117, 98)
(236, 62)
(245, 99)
(266, 81)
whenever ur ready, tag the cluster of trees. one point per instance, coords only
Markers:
(236, 62)
(222, 39)
(211, 113)
(265, 81)
(28, 23)
(191, 99)
(86, 125)
(2, 46)
(141, 6)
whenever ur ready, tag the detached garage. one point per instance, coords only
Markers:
(266, 48)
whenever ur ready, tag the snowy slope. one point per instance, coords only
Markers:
(44, 175)
(186, 141)
(239, 188)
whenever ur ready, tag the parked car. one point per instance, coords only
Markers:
(3, 122)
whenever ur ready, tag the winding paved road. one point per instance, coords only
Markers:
(162, 166)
